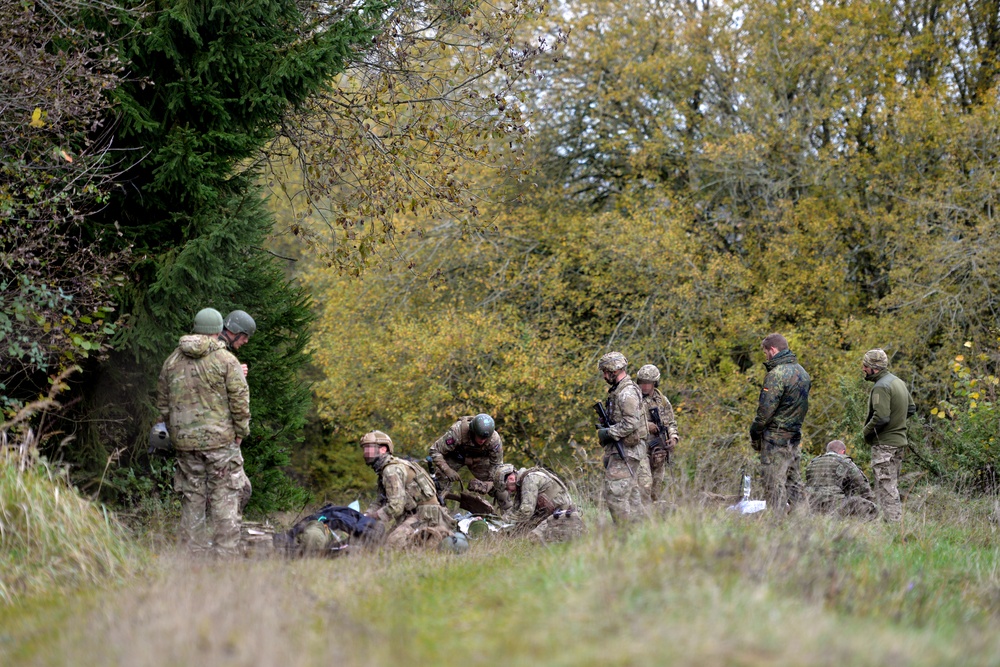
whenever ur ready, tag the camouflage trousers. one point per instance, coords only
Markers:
(209, 483)
(844, 506)
(658, 474)
(559, 527)
(886, 463)
(622, 492)
(780, 476)
(424, 528)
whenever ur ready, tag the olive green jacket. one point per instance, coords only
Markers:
(889, 406)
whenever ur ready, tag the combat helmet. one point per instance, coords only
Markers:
(612, 361)
(483, 426)
(503, 470)
(648, 373)
(377, 438)
(240, 322)
(208, 321)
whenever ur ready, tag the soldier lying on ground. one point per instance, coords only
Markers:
(542, 507)
(835, 485)
(407, 503)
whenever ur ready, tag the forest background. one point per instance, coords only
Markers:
(437, 209)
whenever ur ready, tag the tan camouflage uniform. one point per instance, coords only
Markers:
(543, 508)
(835, 485)
(204, 399)
(626, 413)
(408, 505)
(456, 448)
(658, 458)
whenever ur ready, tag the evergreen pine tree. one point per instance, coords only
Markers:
(210, 80)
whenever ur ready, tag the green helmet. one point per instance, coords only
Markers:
(208, 321)
(239, 321)
(455, 543)
(483, 426)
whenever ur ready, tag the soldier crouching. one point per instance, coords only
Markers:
(407, 501)
(542, 507)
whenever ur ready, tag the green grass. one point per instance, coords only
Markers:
(697, 587)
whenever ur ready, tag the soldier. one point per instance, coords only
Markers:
(542, 506)
(237, 329)
(203, 397)
(889, 406)
(777, 429)
(407, 501)
(472, 442)
(835, 485)
(628, 427)
(661, 445)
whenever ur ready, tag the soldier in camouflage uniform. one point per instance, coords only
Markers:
(407, 501)
(777, 429)
(472, 442)
(625, 410)
(661, 445)
(835, 485)
(542, 506)
(237, 329)
(889, 406)
(204, 400)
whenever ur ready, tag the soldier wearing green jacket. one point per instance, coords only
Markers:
(835, 485)
(204, 400)
(889, 406)
(776, 431)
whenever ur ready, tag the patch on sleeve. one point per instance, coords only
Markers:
(875, 398)
(449, 441)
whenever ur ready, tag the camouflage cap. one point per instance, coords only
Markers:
(876, 359)
(377, 438)
(612, 361)
(648, 373)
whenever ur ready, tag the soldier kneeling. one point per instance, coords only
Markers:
(407, 501)
(542, 507)
(835, 485)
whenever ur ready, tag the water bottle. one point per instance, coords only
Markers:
(746, 486)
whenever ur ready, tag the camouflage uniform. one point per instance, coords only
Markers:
(408, 504)
(542, 507)
(457, 448)
(203, 397)
(659, 455)
(777, 429)
(835, 485)
(622, 492)
(889, 406)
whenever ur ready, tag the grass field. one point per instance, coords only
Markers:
(696, 587)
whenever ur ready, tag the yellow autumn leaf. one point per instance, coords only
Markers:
(36, 118)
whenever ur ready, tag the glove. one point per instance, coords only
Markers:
(450, 473)
(871, 437)
(756, 444)
(479, 486)
(605, 437)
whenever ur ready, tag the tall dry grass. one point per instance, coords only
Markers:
(52, 539)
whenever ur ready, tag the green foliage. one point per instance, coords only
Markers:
(963, 425)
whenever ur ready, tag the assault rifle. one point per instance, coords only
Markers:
(602, 417)
(660, 441)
